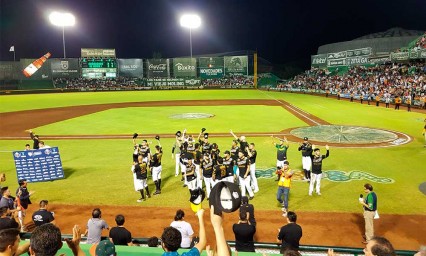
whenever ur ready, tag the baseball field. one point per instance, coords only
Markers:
(93, 131)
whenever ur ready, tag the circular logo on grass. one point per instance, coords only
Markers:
(191, 116)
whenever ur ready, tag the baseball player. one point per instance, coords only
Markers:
(244, 174)
(145, 151)
(215, 153)
(252, 154)
(282, 148)
(317, 159)
(176, 151)
(197, 155)
(190, 175)
(23, 199)
(306, 148)
(219, 171)
(206, 147)
(207, 169)
(229, 163)
(156, 169)
(140, 175)
(244, 145)
(234, 150)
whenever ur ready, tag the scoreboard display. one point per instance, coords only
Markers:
(98, 68)
(98, 63)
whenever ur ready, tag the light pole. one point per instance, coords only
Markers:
(190, 21)
(62, 20)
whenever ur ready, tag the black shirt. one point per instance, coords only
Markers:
(290, 235)
(190, 172)
(317, 162)
(253, 156)
(243, 166)
(24, 197)
(306, 149)
(244, 237)
(42, 216)
(140, 171)
(156, 159)
(250, 209)
(229, 164)
(120, 236)
(207, 167)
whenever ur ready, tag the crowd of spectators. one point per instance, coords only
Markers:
(90, 83)
(420, 43)
(406, 80)
(231, 81)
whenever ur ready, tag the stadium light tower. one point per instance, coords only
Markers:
(62, 20)
(190, 21)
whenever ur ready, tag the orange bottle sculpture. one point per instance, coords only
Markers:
(35, 65)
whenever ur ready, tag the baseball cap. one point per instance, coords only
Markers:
(286, 162)
(103, 248)
(227, 152)
(196, 198)
(21, 182)
(206, 135)
(305, 138)
(225, 197)
(178, 133)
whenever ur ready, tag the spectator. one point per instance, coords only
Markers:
(120, 235)
(95, 226)
(9, 241)
(379, 246)
(290, 234)
(244, 233)
(172, 238)
(152, 241)
(23, 199)
(248, 209)
(2, 178)
(46, 241)
(7, 200)
(7, 220)
(104, 248)
(35, 139)
(43, 216)
(184, 228)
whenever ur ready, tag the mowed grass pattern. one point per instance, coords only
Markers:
(159, 120)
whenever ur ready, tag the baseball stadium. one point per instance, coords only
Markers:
(93, 112)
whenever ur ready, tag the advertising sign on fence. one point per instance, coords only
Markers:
(236, 65)
(173, 82)
(130, 68)
(185, 67)
(43, 73)
(100, 53)
(211, 72)
(65, 68)
(158, 68)
(319, 61)
(38, 165)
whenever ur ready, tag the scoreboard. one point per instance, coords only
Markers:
(99, 68)
(98, 63)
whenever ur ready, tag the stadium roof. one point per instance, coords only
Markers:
(393, 32)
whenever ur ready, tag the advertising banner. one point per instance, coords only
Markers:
(43, 73)
(184, 67)
(101, 53)
(9, 70)
(336, 55)
(65, 68)
(130, 68)
(158, 68)
(236, 65)
(319, 61)
(211, 72)
(173, 82)
(354, 61)
(38, 165)
(379, 59)
(336, 62)
(400, 56)
(359, 52)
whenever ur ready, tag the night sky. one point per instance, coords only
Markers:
(281, 31)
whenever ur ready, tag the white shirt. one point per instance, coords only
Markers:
(186, 230)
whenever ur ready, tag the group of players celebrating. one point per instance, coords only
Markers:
(198, 161)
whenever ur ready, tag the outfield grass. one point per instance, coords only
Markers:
(98, 171)
(151, 120)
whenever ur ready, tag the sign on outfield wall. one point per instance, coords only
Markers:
(130, 68)
(65, 68)
(184, 67)
(173, 82)
(336, 62)
(158, 68)
(38, 164)
(94, 52)
(42, 73)
(211, 72)
(354, 61)
(236, 65)
(359, 52)
(9, 70)
(319, 61)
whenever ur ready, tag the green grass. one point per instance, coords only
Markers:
(157, 120)
(11, 103)
(98, 171)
